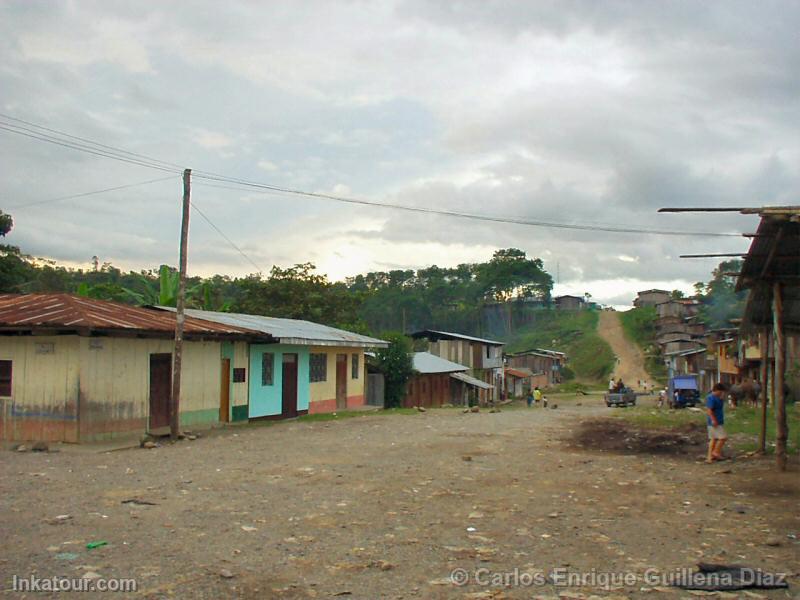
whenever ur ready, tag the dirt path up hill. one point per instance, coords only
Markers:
(630, 359)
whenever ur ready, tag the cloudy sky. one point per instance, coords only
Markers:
(589, 113)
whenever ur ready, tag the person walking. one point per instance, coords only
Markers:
(529, 398)
(715, 419)
(537, 395)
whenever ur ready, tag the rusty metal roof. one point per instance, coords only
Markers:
(519, 372)
(69, 312)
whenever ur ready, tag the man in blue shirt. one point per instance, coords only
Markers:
(715, 409)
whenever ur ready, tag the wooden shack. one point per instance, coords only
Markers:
(771, 273)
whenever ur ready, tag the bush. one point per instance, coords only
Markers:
(397, 366)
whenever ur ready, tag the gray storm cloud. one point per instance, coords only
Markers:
(569, 112)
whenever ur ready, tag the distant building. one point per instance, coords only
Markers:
(483, 358)
(651, 298)
(437, 381)
(569, 302)
(544, 364)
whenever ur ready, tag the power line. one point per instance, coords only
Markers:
(81, 148)
(111, 189)
(226, 238)
(88, 141)
(106, 151)
(266, 188)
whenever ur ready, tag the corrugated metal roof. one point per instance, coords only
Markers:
(471, 381)
(425, 362)
(288, 331)
(459, 336)
(66, 311)
(519, 372)
(772, 258)
(544, 353)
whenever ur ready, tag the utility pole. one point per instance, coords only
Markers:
(180, 317)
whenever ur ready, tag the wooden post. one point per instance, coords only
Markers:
(180, 317)
(763, 343)
(781, 433)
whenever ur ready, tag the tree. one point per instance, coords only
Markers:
(397, 366)
(721, 301)
(6, 224)
(299, 292)
(511, 273)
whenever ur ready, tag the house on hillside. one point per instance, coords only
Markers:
(483, 358)
(569, 302)
(437, 381)
(545, 365)
(520, 381)
(325, 364)
(651, 298)
(75, 369)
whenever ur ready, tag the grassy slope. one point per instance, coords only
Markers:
(573, 332)
(742, 420)
(639, 327)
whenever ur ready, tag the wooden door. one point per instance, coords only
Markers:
(160, 389)
(225, 391)
(289, 392)
(341, 381)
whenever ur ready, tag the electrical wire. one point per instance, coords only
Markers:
(82, 148)
(226, 238)
(88, 141)
(111, 189)
(266, 188)
(106, 151)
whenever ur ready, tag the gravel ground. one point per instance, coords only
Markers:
(388, 506)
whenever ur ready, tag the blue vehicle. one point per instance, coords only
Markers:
(683, 391)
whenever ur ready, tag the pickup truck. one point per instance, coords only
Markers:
(627, 397)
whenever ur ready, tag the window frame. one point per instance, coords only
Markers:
(10, 377)
(355, 366)
(264, 363)
(318, 367)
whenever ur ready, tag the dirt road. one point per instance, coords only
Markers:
(388, 507)
(630, 360)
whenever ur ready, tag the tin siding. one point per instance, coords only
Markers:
(115, 384)
(44, 394)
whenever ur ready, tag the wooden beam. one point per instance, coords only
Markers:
(772, 251)
(781, 430)
(705, 209)
(736, 255)
(763, 344)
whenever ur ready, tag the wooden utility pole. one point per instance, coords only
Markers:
(763, 344)
(180, 317)
(781, 433)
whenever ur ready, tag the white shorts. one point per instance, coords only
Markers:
(717, 433)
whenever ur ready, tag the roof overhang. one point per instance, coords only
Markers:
(472, 381)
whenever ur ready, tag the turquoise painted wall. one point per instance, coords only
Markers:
(266, 400)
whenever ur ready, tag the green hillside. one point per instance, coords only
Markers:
(573, 332)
